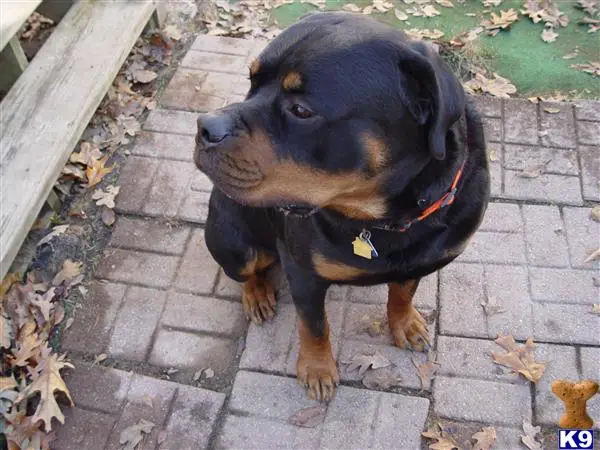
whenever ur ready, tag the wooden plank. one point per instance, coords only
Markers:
(46, 111)
(13, 13)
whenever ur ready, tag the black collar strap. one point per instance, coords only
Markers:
(300, 212)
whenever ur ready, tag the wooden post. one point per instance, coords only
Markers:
(12, 62)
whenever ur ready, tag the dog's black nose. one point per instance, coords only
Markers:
(214, 128)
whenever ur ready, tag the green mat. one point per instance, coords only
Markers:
(534, 66)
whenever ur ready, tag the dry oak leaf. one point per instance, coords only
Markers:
(444, 441)
(47, 383)
(491, 307)
(4, 332)
(56, 231)
(596, 309)
(400, 15)
(595, 213)
(502, 21)
(549, 35)
(131, 436)
(28, 345)
(484, 439)
(308, 417)
(445, 3)
(530, 435)
(589, 6)
(519, 359)
(595, 255)
(383, 378)
(96, 172)
(107, 197)
(44, 303)
(593, 68)
(88, 154)
(427, 370)
(430, 11)
(364, 362)
(69, 274)
(491, 3)
(144, 76)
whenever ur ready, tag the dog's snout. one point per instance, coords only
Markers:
(214, 128)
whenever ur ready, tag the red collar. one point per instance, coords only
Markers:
(446, 200)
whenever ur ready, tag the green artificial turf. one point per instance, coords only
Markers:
(534, 66)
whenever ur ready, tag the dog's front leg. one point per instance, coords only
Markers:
(316, 368)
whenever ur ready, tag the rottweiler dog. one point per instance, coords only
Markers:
(354, 159)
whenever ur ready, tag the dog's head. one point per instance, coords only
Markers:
(340, 111)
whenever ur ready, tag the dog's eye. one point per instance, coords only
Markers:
(301, 111)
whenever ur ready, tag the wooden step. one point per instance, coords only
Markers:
(44, 114)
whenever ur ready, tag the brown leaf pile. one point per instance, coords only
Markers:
(248, 18)
(519, 359)
(497, 86)
(31, 383)
(593, 68)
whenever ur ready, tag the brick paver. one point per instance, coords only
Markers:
(161, 305)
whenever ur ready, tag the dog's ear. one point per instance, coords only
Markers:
(435, 97)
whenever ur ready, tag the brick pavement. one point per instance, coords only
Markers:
(160, 306)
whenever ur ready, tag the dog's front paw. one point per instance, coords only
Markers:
(410, 330)
(319, 375)
(258, 299)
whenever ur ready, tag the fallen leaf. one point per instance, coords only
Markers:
(549, 35)
(383, 378)
(48, 382)
(484, 439)
(99, 358)
(129, 124)
(491, 3)
(367, 10)
(533, 171)
(529, 439)
(571, 55)
(56, 231)
(172, 32)
(96, 173)
(430, 11)
(502, 21)
(426, 370)
(131, 436)
(596, 308)
(7, 383)
(69, 273)
(491, 307)
(351, 7)
(88, 154)
(364, 362)
(444, 441)
(4, 332)
(107, 197)
(209, 373)
(497, 86)
(400, 15)
(589, 6)
(415, 33)
(197, 375)
(552, 110)
(595, 255)
(373, 326)
(108, 216)
(144, 76)
(27, 345)
(44, 303)
(593, 68)
(73, 171)
(161, 437)
(69, 322)
(309, 417)
(445, 3)
(519, 359)
(595, 213)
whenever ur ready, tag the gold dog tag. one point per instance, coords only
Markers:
(363, 246)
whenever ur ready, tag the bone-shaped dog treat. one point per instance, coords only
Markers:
(575, 396)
